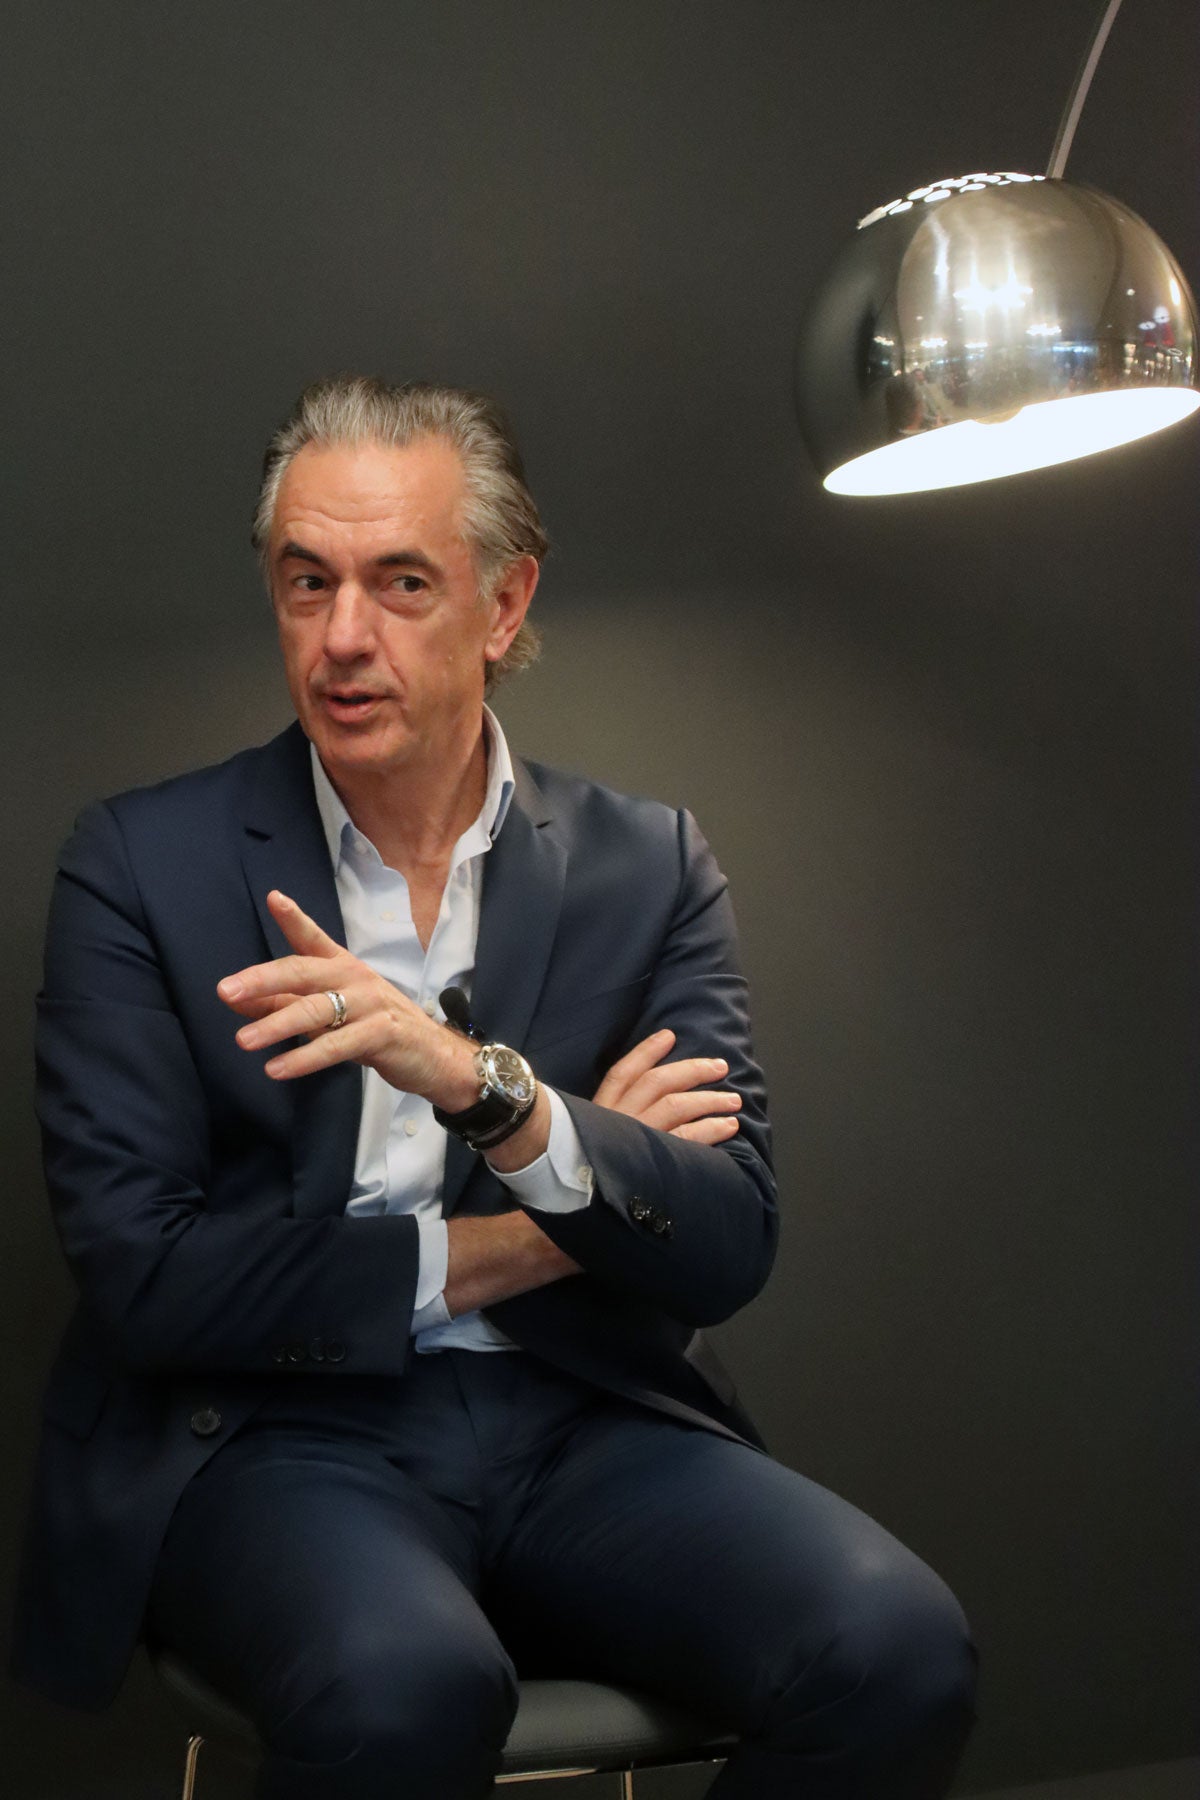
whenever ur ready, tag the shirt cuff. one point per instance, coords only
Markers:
(429, 1308)
(560, 1180)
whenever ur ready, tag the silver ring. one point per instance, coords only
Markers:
(339, 1009)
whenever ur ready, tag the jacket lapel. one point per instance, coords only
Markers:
(524, 872)
(284, 847)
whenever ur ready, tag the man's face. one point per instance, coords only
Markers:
(377, 602)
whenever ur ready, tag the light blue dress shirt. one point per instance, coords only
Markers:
(401, 1155)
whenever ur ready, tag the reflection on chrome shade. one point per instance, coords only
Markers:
(973, 299)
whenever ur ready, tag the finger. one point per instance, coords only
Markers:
(671, 1078)
(286, 975)
(307, 1013)
(262, 1008)
(707, 1131)
(643, 1056)
(682, 1109)
(352, 1043)
(301, 932)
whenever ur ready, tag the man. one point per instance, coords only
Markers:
(387, 1382)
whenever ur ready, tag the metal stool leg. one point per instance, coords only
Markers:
(189, 1767)
(626, 1784)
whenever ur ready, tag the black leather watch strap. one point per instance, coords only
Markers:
(489, 1140)
(497, 1113)
(490, 1114)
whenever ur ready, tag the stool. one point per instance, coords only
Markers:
(562, 1728)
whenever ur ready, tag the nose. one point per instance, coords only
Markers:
(350, 624)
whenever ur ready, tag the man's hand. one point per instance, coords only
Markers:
(384, 1029)
(492, 1258)
(668, 1095)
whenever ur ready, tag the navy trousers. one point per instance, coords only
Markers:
(367, 1566)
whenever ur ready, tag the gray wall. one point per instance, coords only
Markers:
(944, 746)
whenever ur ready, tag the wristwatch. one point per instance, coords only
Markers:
(508, 1090)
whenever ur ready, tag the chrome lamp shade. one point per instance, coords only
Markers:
(988, 325)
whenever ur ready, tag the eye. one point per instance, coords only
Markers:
(409, 584)
(308, 584)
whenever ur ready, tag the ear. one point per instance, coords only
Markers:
(509, 605)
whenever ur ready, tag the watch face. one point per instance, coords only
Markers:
(510, 1072)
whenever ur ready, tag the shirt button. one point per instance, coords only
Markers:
(410, 1128)
(583, 1175)
(387, 917)
(430, 1006)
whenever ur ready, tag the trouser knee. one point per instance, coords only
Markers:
(432, 1728)
(898, 1671)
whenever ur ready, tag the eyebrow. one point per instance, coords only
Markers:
(408, 559)
(391, 559)
(291, 548)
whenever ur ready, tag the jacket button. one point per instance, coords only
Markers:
(335, 1350)
(205, 1422)
(297, 1353)
(316, 1349)
(638, 1210)
(661, 1225)
(279, 1353)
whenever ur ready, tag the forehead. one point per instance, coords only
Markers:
(361, 489)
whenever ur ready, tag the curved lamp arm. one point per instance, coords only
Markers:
(1079, 93)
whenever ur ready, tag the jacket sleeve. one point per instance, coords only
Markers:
(172, 1272)
(691, 1228)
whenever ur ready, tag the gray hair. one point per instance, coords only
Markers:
(501, 519)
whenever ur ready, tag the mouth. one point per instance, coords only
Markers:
(350, 703)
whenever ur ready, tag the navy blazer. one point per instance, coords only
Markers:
(201, 1205)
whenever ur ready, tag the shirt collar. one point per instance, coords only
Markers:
(340, 829)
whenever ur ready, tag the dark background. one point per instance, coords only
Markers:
(943, 745)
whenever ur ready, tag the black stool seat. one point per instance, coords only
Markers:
(560, 1727)
(591, 1724)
